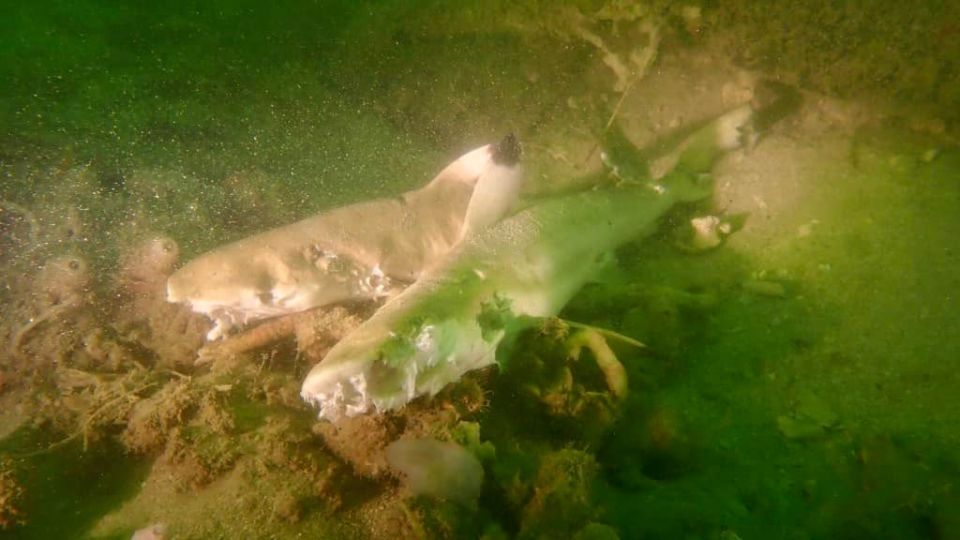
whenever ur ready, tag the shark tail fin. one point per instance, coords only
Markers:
(729, 131)
(690, 178)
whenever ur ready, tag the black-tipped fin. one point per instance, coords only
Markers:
(508, 151)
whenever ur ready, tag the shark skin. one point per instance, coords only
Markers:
(524, 267)
(361, 251)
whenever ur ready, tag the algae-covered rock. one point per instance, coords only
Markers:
(562, 495)
(467, 434)
(10, 494)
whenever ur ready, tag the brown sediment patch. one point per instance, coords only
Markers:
(11, 495)
(195, 458)
(248, 500)
(152, 420)
(361, 441)
(97, 403)
(273, 477)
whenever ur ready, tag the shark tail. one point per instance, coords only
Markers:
(690, 178)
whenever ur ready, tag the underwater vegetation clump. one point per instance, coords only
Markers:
(704, 289)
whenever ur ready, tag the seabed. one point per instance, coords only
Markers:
(799, 379)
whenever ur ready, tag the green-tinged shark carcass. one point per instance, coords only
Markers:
(525, 267)
(361, 251)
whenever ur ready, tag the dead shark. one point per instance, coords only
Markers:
(360, 251)
(524, 267)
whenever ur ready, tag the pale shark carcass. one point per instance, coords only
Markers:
(361, 251)
(524, 267)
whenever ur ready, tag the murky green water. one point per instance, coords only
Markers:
(798, 378)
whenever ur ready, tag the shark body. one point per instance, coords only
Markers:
(361, 251)
(529, 265)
